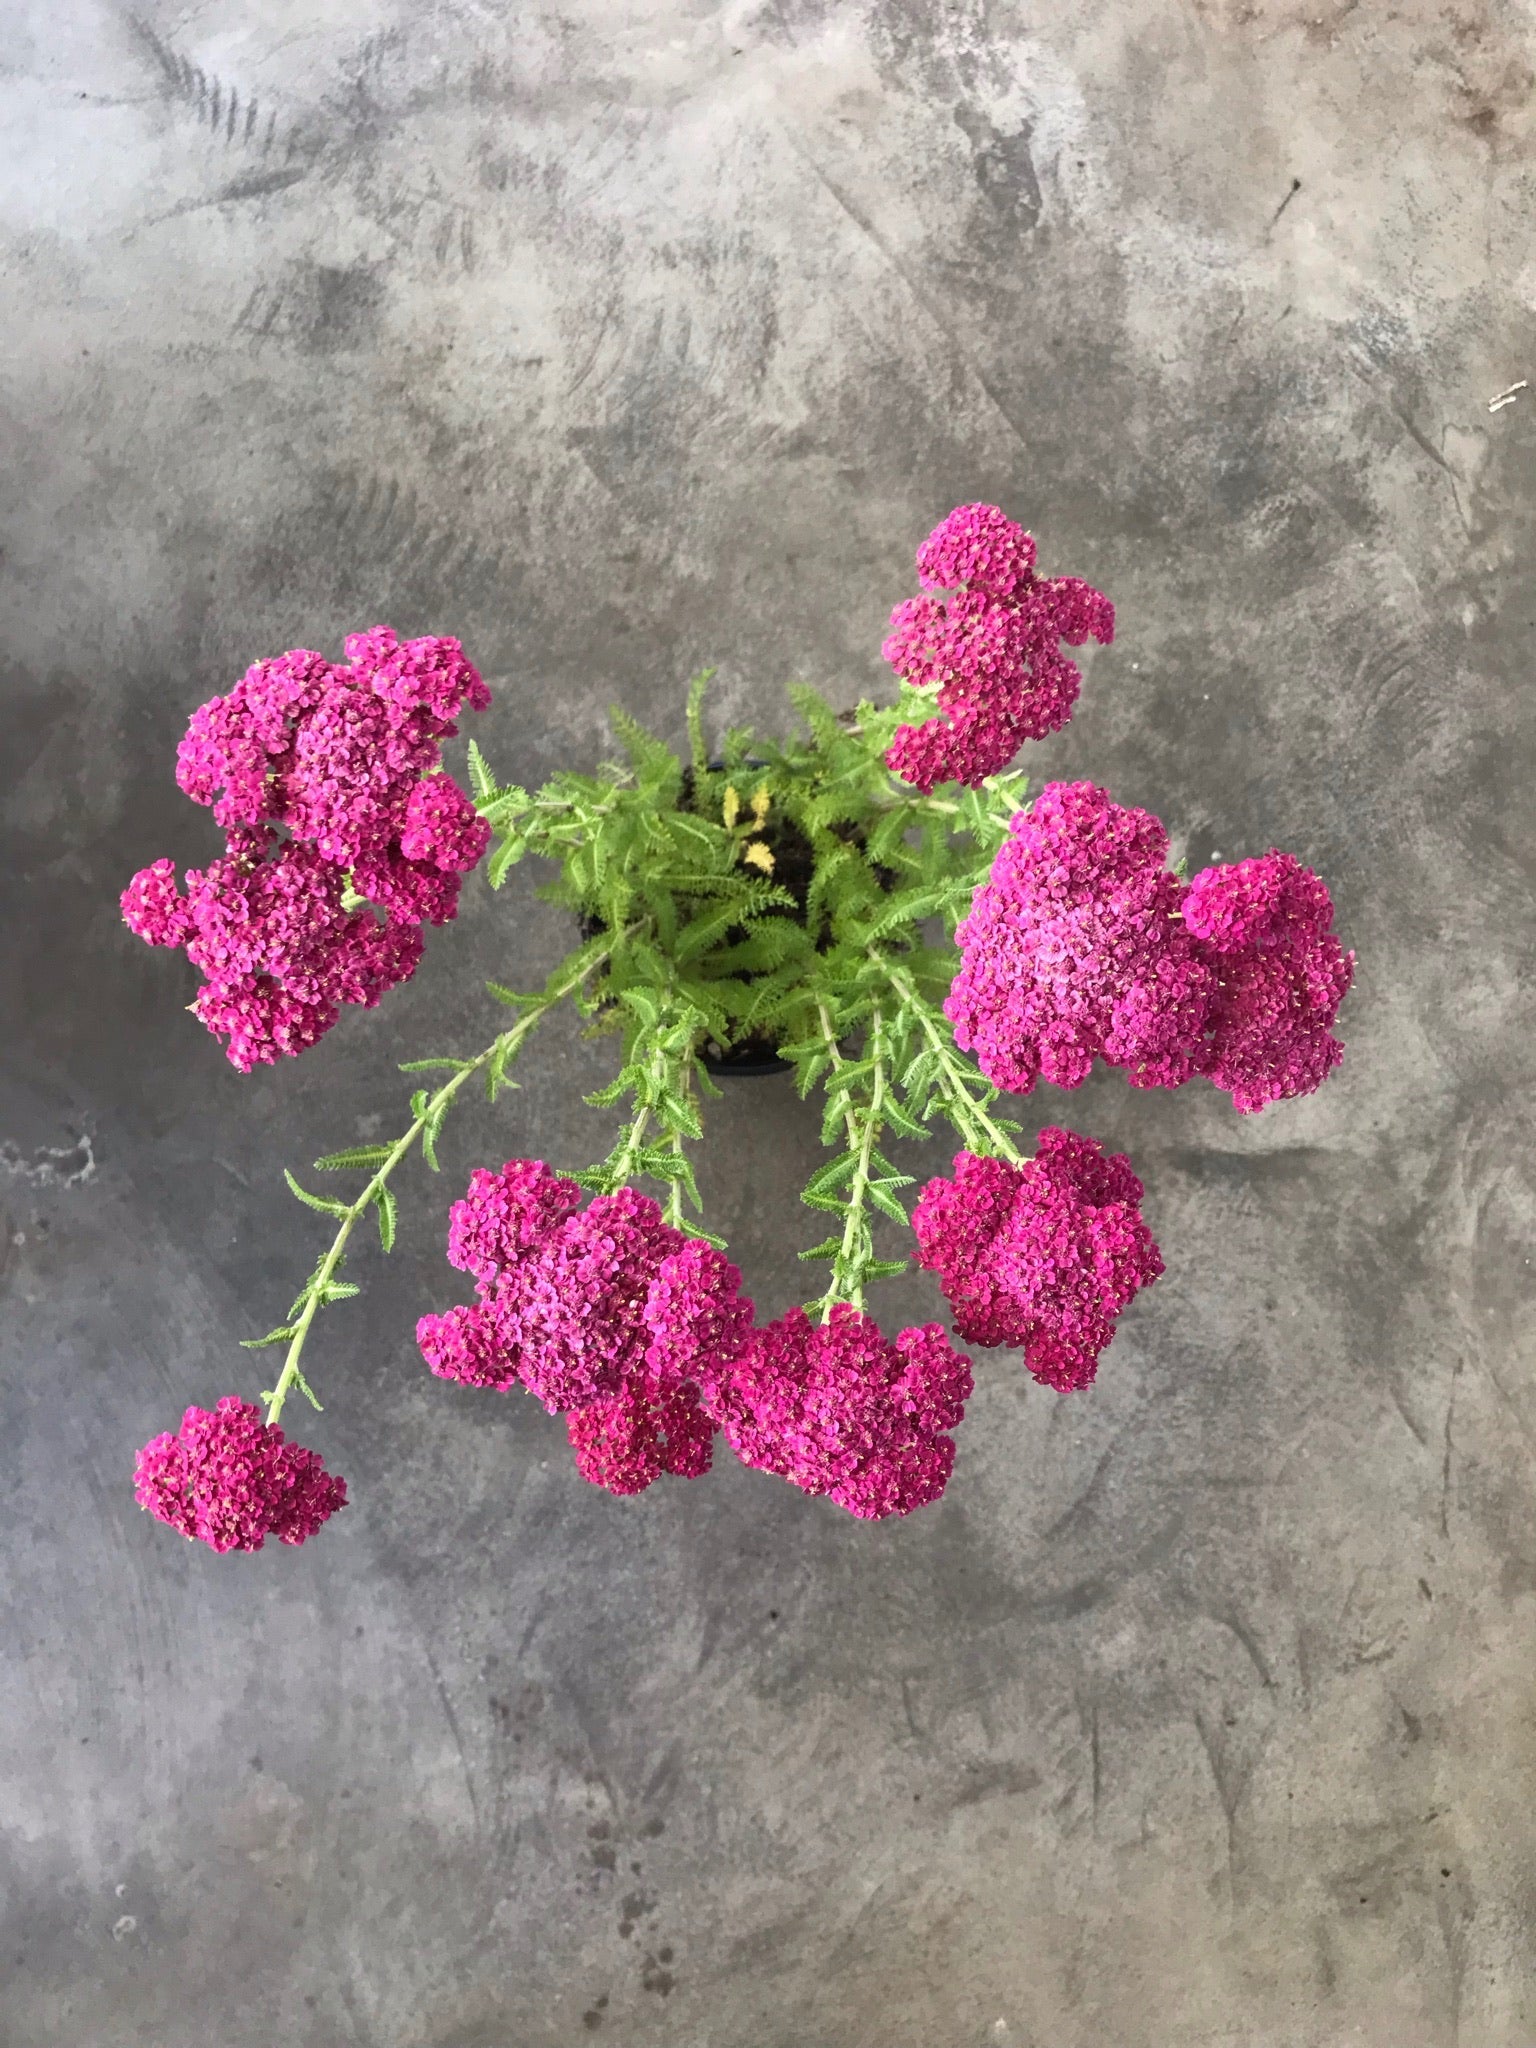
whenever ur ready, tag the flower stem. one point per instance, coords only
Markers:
(830, 1036)
(863, 1126)
(629, 1150)
(315, 1292)
(673, 1210)
(659, 1075)
(968, 1116)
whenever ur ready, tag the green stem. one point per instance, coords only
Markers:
(511, 1039)
(969, 1116)
(672, 1209)
(830, 1037)
(626, 1155)
(850, 1259)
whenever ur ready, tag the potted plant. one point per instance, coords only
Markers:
(871, 903)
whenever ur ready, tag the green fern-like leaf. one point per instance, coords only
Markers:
(481, 781)
(325, 1207)
(697, 745)
(654, 761)
(278, 1336)
(503, 857)
(817, 713)
(355, 1155)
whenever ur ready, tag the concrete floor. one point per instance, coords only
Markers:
(618, 337)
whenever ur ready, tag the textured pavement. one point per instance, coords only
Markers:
(616, 339)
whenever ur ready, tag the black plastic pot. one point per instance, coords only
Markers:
(749, 1061)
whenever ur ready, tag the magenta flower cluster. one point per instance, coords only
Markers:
(1042, 1256)
(1265, 929)
(231, 1480)
(323, 776)
(601, 1313)
(640, 1336)
(990, 650)
(837, 1409)
(1083, 945)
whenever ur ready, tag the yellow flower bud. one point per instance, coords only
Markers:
(731, 808)
(758, 855)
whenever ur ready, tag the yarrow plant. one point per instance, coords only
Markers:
(871, 905)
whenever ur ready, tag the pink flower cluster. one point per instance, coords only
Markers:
(1083, 945)
(230, 1480)
(607, 1314)
(640, 1336)
(323, 776)
(837, 1409)
(1265, 928)
(1043, 1256)
(990, 651)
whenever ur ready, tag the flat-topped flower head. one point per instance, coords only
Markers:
(1044, 1256)
(1082, 945)
(465, 1344)
(977, 547)
(1073, 951)
(627, 1441)
(838, 1409)
(429, 676)
(966, 747)
(695, 1314)
(607, 1314)
(238, 746)
(1264, 929)
(988, 653)
(443, 827)
(507, 1216)
(280, 955)
(576, 1314)
(344, 761)
(228, 1479)
(154, 909)
(332, 751)
(644, 1340)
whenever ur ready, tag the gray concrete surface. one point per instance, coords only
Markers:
(616, 338)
